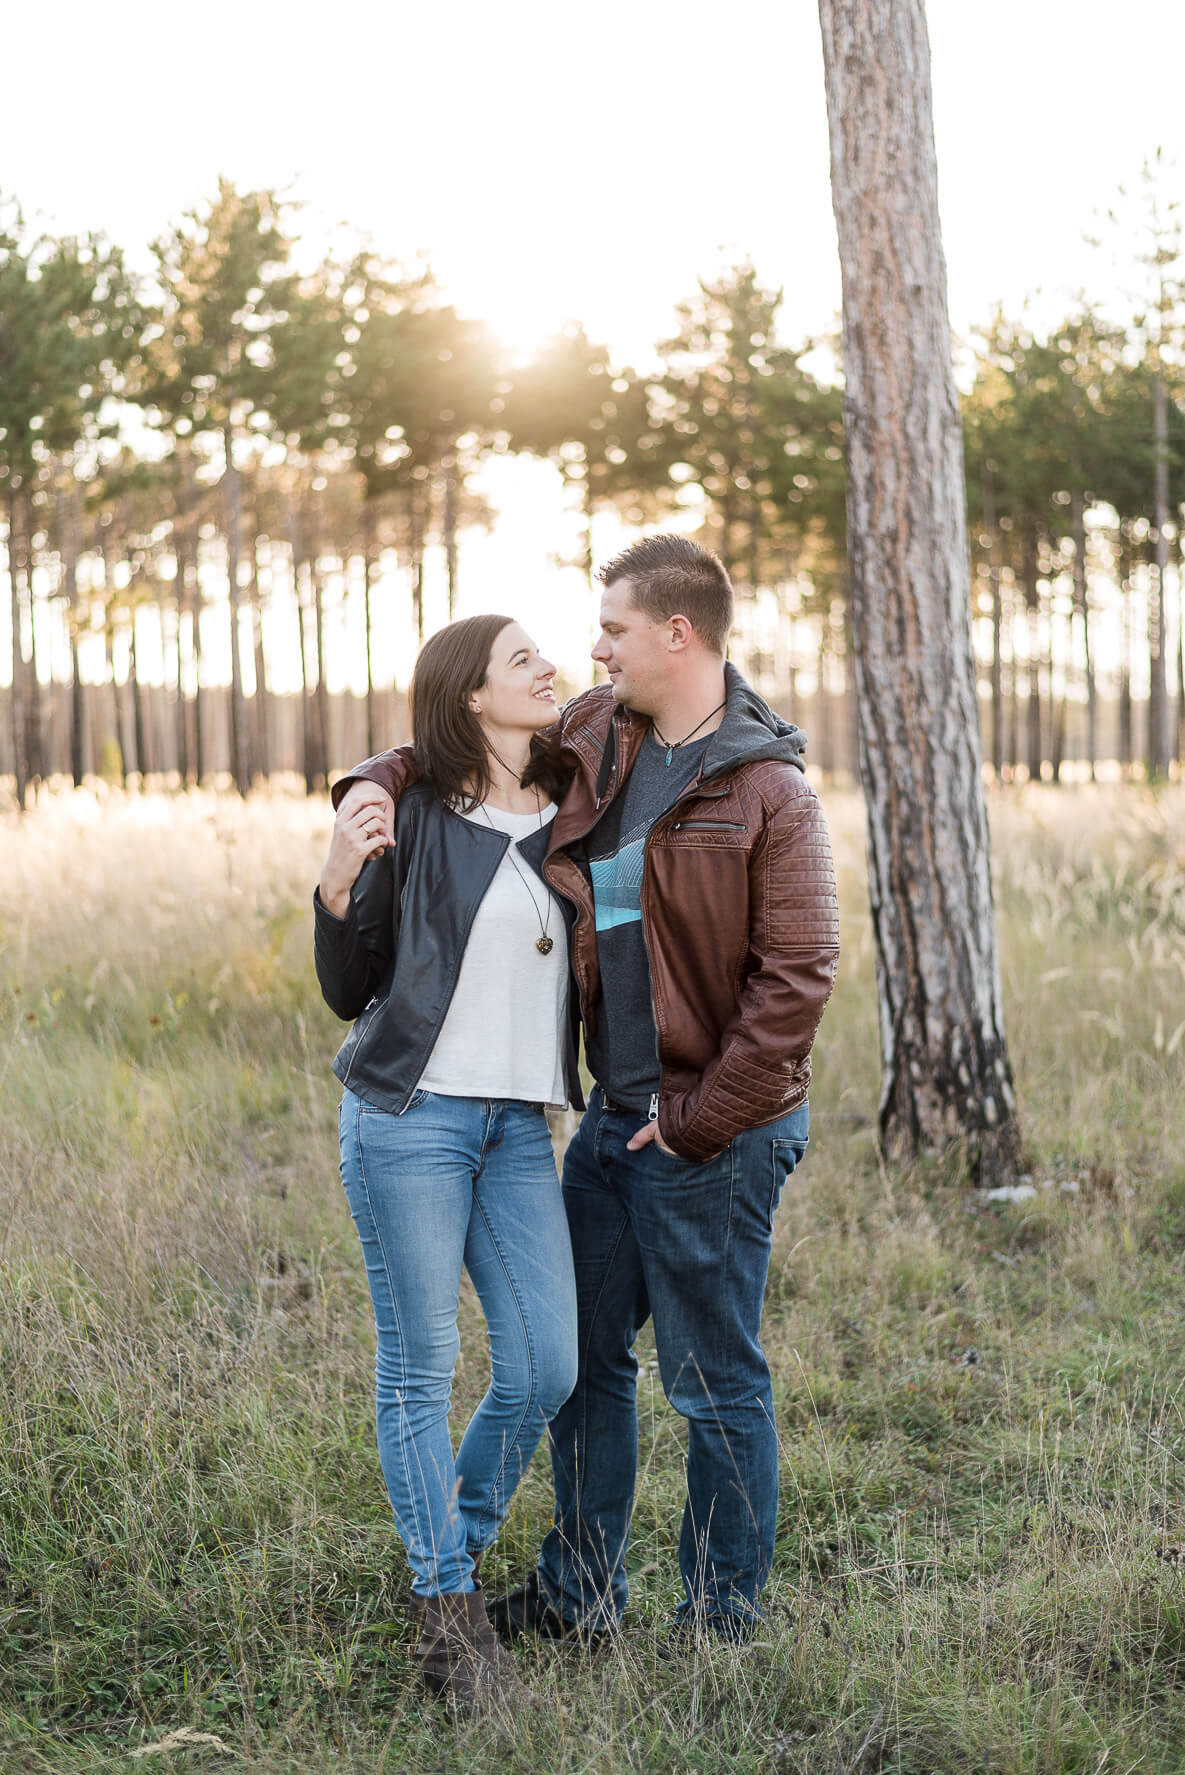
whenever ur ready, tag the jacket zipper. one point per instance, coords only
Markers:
(691, 790)
(362, 1037)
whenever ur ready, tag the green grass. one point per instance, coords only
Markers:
(980, 1406)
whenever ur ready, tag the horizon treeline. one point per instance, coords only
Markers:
(232, 430)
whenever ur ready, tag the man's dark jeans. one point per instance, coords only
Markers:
(689, 1245)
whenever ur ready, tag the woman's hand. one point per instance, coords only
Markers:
(359, 832)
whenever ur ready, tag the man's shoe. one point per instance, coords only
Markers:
(690, 1630)
(527, 1611)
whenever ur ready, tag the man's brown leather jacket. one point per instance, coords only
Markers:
(739, 907)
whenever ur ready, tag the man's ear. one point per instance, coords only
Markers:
(681, 633)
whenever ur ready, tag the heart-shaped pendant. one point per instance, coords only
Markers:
(544, 945)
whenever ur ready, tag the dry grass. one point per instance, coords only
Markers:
(980, 1405)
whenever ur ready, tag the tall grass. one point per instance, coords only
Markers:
(980, 1561)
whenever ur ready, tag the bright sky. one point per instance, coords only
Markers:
(570, 161)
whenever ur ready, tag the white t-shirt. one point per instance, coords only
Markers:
(504, 1032)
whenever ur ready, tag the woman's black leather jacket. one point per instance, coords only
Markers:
(393, 961)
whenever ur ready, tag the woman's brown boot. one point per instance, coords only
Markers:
(462, 1662)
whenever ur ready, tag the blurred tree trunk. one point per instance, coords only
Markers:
(139, 726)
(946, 1072)
(1126, 735)
(187, 627)
(320, 641)
(449, 463)
(296, 552)
(1057, 703)
(1158, 709)
(34, 735)
(261, 762)
(993, 564)
(418, 526)
(1033, 607)
(240, 747)
(1013, 745)
(17, 694)
(1082, 611)
(70, 530)
(369, 565)
(826, 755)
(1179, 724)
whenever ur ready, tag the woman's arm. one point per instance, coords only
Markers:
(352, 933)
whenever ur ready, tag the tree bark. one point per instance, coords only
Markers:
(947, 1077)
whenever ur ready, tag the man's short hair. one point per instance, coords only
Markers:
(673, 576)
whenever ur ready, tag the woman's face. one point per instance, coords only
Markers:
(517, 693)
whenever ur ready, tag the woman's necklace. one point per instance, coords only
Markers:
(672, 746)
(543, 943)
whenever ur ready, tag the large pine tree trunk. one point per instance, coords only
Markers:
(946, 1072)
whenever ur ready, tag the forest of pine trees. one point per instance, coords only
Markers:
(233, 447)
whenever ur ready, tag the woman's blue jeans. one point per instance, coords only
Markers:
(452, 1180)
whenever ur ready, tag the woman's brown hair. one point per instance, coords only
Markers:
(450, 748)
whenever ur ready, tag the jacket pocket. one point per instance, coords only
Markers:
(710, 826)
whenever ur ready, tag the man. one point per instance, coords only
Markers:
(704, 947)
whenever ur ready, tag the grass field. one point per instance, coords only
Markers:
(981, 1560)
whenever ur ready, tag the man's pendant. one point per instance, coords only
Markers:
(544, 945)
(670, 750)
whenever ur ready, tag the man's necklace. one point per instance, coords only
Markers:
(543, 943)
(672, 746)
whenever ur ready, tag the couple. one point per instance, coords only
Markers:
(651, 861)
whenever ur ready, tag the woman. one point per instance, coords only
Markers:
(450, 952)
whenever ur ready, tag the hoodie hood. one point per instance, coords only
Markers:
(750, 731)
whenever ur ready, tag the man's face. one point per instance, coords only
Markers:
(633, 648)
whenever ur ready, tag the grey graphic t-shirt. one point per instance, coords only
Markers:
(623, 1053)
